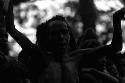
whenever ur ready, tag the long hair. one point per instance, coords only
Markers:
(43, 33)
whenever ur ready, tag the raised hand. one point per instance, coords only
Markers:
(119, 15)
(117, 33)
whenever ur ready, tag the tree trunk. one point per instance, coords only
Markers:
(88, 14)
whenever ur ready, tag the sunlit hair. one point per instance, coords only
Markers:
(43, 33)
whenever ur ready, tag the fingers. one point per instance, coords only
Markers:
(123, 11)
(120, 14)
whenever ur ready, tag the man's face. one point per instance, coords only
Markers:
(59, 36)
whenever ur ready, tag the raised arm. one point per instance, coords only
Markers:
(116, 43)
(105, 50)
(22, 40)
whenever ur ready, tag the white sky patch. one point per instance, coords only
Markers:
(107, 5)
(100, 28)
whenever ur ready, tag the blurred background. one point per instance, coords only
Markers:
(81, 14)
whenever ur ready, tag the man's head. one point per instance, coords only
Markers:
(58, 37)
(55, 35)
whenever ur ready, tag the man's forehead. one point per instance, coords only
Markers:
(58, 23)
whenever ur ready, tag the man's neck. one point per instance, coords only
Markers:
(56, 57)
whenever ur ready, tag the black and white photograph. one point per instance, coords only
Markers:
(62, 41)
